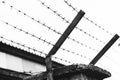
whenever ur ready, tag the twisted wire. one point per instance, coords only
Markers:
(35, 50)
(44, 40)
(28, 33)
(54, 11)
(32, 18)
(76, 27)
(70, 5)
(67, 21)
(93, 22)
(55, 31)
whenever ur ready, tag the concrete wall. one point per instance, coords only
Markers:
(18, 64)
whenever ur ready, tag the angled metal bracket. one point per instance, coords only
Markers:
(102, 52)
(60, 42)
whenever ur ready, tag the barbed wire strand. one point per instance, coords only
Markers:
(35, 50)
(43, 24)
(66, 1)
(93, 22)
(58, 32)
(44, 40)
(43, 3)
(67, 21)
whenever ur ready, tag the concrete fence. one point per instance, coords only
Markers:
(74, 72)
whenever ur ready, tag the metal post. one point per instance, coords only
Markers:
(60, 42)
(66, 33)
(102, 52)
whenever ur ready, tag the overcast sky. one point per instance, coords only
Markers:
(25, 18)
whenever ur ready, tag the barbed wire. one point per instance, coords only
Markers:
(28, 33)
(44, 40)
(23, 45)
(45, 25)
(70, 5)
(76, 27)
(32, 18)
(29, 48)
(93, 22)
(67, 21)
(54, 11)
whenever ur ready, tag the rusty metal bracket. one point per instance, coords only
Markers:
(60, 42)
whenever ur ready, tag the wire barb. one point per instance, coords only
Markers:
(45, 41)
(33, 49)
(55, 31)
(66, 20)
(45, 25)
(93, 22)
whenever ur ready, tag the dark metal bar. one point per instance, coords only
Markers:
(102, 52)
(66, 33)
(60, 42)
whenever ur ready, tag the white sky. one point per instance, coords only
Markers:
(103, 12)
